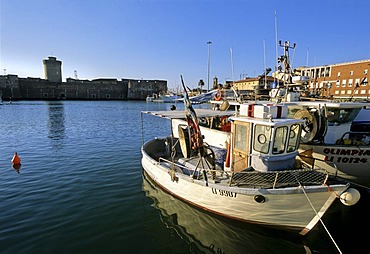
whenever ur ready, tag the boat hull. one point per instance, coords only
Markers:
(280, 207)
(206, 231)
(350, 162)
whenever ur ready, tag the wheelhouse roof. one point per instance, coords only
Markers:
(180, 114)
(267, 121)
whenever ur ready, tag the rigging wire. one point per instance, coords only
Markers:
(323, 224)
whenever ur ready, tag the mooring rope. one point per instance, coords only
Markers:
(323, 224)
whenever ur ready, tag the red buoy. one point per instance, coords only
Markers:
(16, 160)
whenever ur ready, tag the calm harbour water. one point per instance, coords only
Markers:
(80, 189)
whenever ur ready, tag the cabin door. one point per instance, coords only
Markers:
(241, 150)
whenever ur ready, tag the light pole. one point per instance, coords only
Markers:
(209, 62)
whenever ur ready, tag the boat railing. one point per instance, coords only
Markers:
(278, 179)
(354, 136)
(310, 161)
(255, 179)
(185, 170)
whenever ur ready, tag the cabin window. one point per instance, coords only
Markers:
(262, 136)
(280, 140)
(241, 132)
(293, 138)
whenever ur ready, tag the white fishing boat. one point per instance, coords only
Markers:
(166, 98)
(259, 179)
(149, 98)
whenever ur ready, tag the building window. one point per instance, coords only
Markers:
(363, 91)
(342, 92)
(328, 71)
(350, 82)
(349, 91)
(338, 73)
(365, 71)
(357, 82)
(364, 82)
(344, 82)
(337, 84)
(336, 92)
(351, 73)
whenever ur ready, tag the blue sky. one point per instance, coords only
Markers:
(163, 39)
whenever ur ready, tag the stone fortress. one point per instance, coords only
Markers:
(13, 87)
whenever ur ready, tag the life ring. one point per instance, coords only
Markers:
(218, 95)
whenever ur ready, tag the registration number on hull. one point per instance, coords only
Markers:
(223, 193)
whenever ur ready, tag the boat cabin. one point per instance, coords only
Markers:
(263, 139)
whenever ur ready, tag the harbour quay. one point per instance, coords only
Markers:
(52, 87)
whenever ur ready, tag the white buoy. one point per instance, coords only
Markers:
(350, 197)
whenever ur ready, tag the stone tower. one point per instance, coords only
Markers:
(215, 83)
(52, 69)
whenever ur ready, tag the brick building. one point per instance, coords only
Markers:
(343, 80)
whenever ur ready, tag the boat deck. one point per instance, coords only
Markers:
(199, 168)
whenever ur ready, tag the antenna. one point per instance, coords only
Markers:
(232, 73)
(308, 52)
(292, 65)
(276, 43)
(264, 63)
(232, 65)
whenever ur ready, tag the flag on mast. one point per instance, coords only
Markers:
(192, 120)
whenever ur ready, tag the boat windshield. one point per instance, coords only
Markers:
(280, 140)
(284, 142)
(294, 134)
(262, 136)
(339, 116)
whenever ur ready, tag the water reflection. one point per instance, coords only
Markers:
(56, 123)
(212, 235)
(16, 167)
